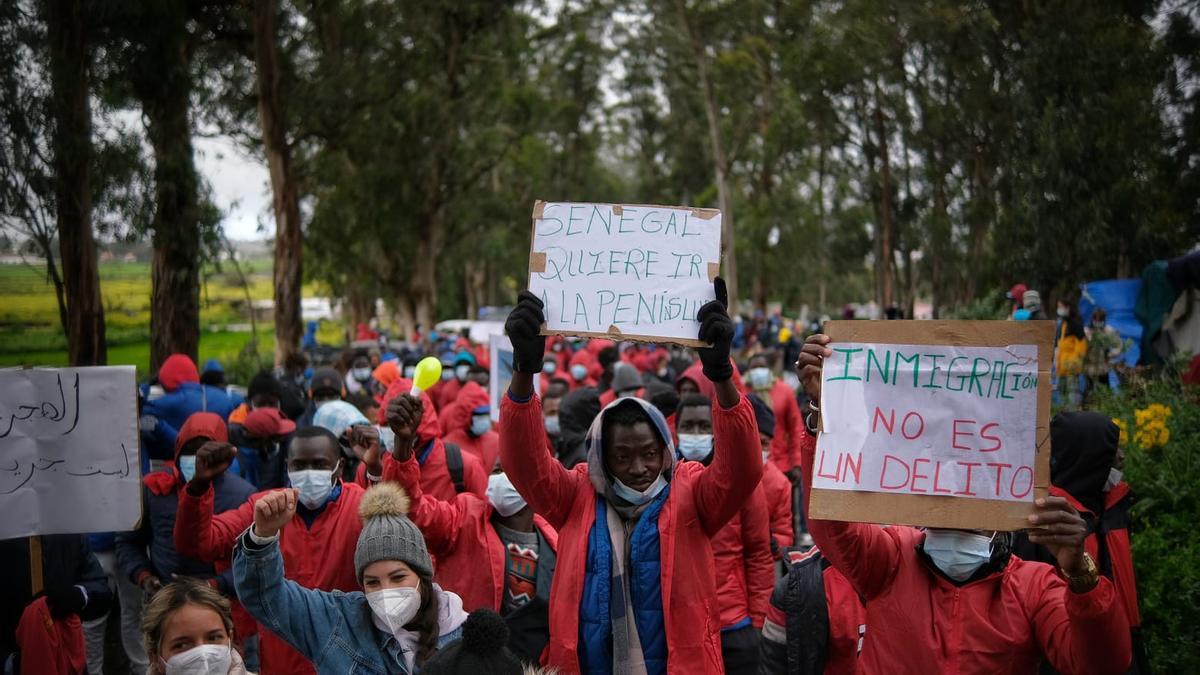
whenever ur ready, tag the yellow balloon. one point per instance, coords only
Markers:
(427, 374)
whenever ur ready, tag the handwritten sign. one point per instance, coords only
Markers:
(68, 451)
(954, 419)
(624, 271)
(500, 352)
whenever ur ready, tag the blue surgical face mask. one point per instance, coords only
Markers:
(187, 466)
(314, 486)
(409, 371)
(461, 372)
(759, 378)
(959, 554)
(548, 367)
(447, 374)
(552, 426)
(480, 424)
(361, 374)
(695, 447)
(638, 498)
(578, 372)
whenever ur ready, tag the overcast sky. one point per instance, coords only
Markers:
(240, 188)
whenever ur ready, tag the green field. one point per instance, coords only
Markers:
(30, 333)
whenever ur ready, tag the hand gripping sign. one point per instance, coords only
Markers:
(624, 271)
(935, 423)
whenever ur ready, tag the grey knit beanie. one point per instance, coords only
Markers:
(387, 533)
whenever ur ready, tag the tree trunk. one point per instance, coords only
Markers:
(289, 240)
(884, 262)
(69, 65)
(720, 161)
(175, 277)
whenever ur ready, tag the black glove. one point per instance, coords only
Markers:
(522, 328)
(64, 601)
(716, 328)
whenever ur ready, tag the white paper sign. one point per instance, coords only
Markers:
(624, 270)
(936, 420)
(500, 356)
(68, 451)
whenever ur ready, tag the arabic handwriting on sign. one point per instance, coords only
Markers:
(45, 410)
(22, 476)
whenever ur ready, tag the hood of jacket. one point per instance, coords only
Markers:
(601, 479)
(177, 369)
(1083, 448)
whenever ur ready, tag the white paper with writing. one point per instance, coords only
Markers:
(921, 419)
(643, 270)
(68, 451)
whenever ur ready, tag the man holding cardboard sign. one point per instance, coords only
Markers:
(954, 598)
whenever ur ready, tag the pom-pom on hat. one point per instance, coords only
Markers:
(387, 533)
(481, 651)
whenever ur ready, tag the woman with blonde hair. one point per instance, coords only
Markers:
(188, 629)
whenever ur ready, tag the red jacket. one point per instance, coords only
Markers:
(50, 646)
(470, 556)
(456, 425)
(435, 475)
(1003, 623)
(777, 490)
(1117, 561)
(745, 568)
(447, 393)
(320, 557)
(701, 501)
(789, 427)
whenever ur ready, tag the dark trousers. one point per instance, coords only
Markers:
(739, 648)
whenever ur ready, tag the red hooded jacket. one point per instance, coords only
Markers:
(50, 646)
(777, 490)
(320, 556)
(456, 425)
(789, 427)
(701, 501)
(1006, 622)
(435, 474)
(745, 568)
(175, 370)
(470, 556)
(695, 373)
(1118, 554)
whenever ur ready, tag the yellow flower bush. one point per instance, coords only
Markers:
(1152, 431)
(1124, 430)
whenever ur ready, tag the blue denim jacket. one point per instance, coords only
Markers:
(332, 629)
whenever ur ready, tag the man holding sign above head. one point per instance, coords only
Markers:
(944, 599)
(634, 589)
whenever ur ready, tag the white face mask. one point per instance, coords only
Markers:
(202, 660)
(447, 374)
(766, 457)
(461, 372)
(695, 447)
(959, 554)
(393, 608)
(361, 374)
(1114, 476)
(480, 424)
(1063, 313)
(187, 466)
(759, 378)
(503, 496)
(552, 426)
(638, 498)
(409, 371)
(314, 486)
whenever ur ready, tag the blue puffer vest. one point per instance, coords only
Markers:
(601, 601)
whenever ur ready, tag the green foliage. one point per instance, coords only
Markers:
(1166, 481)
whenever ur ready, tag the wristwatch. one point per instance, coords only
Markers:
(1086, 581)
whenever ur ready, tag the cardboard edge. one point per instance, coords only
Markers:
(705, 214)
(617, 209)
(539, 209)
(537, 262)
(625, 337)
(714, 271)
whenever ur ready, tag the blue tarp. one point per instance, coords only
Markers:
(1117, 297)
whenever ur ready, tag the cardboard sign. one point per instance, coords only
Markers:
(624, 271)
(935, 423)
(500, 352)
(68, 451)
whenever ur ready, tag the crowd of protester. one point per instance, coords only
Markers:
(636, 509)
